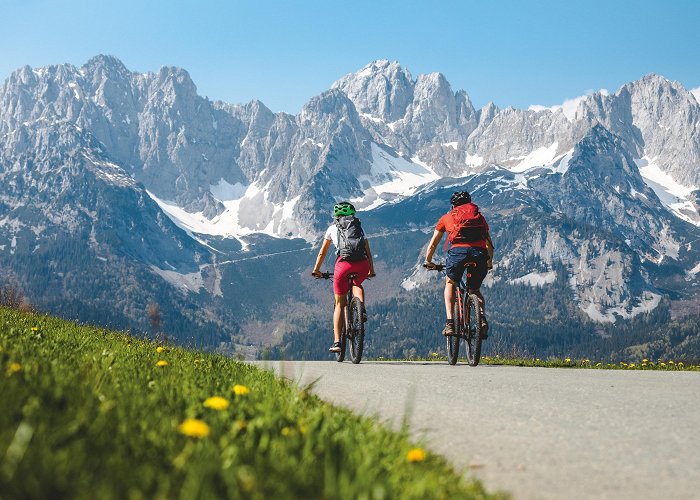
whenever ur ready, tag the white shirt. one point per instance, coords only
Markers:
(332, 234)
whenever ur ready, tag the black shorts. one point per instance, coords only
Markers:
(457, 257)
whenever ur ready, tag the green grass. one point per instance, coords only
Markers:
(645, 364)
(87, 413)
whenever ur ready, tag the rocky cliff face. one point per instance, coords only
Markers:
(141, 169)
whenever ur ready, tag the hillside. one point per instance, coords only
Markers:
(89, 413)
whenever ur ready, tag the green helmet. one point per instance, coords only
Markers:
(342, 209)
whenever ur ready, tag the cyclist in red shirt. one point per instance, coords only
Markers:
(471, 242)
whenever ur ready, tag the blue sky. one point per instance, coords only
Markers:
(284, 52)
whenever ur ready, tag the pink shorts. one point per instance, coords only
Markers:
(341, 285)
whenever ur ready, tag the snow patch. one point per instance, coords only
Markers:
(537, 158)
(647, 302)
(474, 160)
(391, 177)
(675, 196)
(535, 279)
(191, 282)
(224, 191)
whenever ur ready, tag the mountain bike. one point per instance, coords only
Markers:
(353, 325)
(466, 315)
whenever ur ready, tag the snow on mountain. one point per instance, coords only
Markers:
(673, 195)
(391, 176)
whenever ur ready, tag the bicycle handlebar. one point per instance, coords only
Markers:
(324, 276)
(434, 267)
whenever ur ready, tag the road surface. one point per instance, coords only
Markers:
(538, 433)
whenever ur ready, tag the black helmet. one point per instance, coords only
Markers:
(460, 198)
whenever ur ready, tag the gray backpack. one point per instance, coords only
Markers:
(351, 239)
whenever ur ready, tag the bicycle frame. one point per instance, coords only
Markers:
(350, 330)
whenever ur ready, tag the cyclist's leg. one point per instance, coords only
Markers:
(338, 318)
(360, 267)
(454, 269)
(449, 297)
(340, 289)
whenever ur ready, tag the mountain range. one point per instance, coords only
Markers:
(119, 190)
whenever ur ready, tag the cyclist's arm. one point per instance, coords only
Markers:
(489, 249)
(437, 236)
(321, 256)
(369, 258)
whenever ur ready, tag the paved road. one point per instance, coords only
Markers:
(539, 433)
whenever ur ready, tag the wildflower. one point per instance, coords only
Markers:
(240, 425)
(416, 455)
(645, 360)
(193, 428)
(681, 364)
(161, 362)
(598, 364)
(216, 403)
(567, 360)
(287, 431)
(670, 362)
(240, 390)
(435, 355)
(160, 349)
(662, 364)
(630, 366)
(622, 363)
(14, 368)
(35, 328)
(586, 361)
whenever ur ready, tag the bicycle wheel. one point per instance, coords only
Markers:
(340, 356)
(473, 329)
(356, 333)
(453, 341)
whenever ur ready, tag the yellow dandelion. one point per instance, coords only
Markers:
(681, 364)
(193, 428)
(161, 362)
(240, 425)
(645, 360)
(598, 364)
(416, 455)
(287, 431)
(435, 355)
(586, 361)
(35, 328)
(216, 403)
(631, 365)
(671, 362)
(240, 390)
(14, 368)
(160, 349)
(662, 364)
(567, 360)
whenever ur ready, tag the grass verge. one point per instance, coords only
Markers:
(644, 364)
(90, 413)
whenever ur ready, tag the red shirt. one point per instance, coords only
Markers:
(446, 224)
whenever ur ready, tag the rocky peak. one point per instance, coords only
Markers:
(381, 89)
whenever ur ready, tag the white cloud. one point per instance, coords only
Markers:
(696, 93)
(569, 106)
